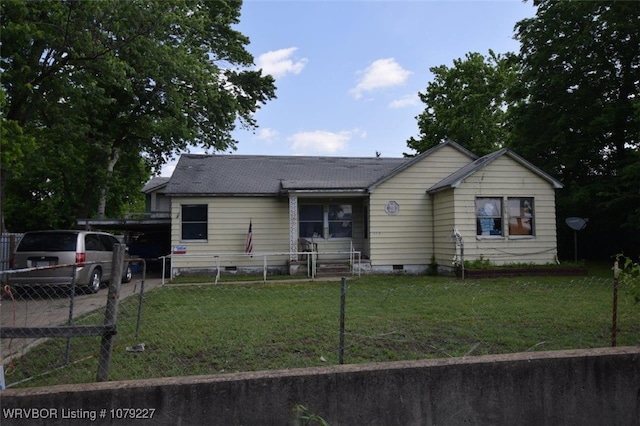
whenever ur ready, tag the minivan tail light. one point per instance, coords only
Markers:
(81, 258)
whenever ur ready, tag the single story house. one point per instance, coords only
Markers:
(395, 214)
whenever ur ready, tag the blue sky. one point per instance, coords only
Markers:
(348, 72)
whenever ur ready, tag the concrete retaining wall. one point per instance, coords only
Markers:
(582, 387)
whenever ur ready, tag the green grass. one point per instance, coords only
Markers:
(212, 329)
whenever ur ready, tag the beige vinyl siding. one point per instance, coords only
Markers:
(407, 238)
(506, 178)
(228, 224)
(162, 203)
(443, 224)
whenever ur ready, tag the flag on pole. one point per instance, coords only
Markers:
(248, 247)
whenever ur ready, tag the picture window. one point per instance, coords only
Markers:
(337, 219)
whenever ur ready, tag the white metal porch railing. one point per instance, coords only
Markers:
(355, 258)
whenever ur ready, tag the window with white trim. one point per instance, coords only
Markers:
(194, 222)
(489, 217)
(521, 216)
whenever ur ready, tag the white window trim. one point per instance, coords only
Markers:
(532, 236)
(505, 219)
(502, 235)
(194, 240)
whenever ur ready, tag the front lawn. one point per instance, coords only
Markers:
(213, 329)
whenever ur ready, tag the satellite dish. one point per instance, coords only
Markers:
(576, 223)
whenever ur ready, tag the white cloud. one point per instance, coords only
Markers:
(268, 134)
(322, 142)
(380, 74)
(405, 101)
(278, 63)
(167, 169)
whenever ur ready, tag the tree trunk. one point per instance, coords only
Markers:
(2, 180)
(102, 204)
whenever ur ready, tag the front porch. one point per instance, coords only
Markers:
(332, 227)
(318, 264)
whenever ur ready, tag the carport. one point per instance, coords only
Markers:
(147, 238)
(148, 234)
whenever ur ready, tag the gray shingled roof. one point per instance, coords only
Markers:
(271, 175)
(155, 183)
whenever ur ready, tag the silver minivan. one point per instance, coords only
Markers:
(91, 252)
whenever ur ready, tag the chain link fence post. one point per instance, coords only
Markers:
(111, 313)
(343, 297)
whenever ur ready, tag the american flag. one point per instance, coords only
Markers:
(248, 247)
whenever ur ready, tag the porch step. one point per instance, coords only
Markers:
(332, 269)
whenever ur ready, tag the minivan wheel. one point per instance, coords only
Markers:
(94, 282)
(128, 274)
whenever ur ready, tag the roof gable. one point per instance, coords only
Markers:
(455, 179)
(420, 157)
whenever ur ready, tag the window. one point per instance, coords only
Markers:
(489, 216)
(48, 241)
(311, 221)
(108, 241)
(194, 222)
(520, 216)
(337, 219)
(92, 243)
(340, 220)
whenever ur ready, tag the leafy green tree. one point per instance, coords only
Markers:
(102, 85)
(467, 103)
(14, 145)
(577, 113)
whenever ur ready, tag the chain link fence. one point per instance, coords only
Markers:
(191, 328)
(55, 317)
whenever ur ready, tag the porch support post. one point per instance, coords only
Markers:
(293, 227)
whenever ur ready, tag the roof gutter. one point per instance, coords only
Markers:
(326, 193)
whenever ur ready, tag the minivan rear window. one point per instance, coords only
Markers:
(48, 241)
